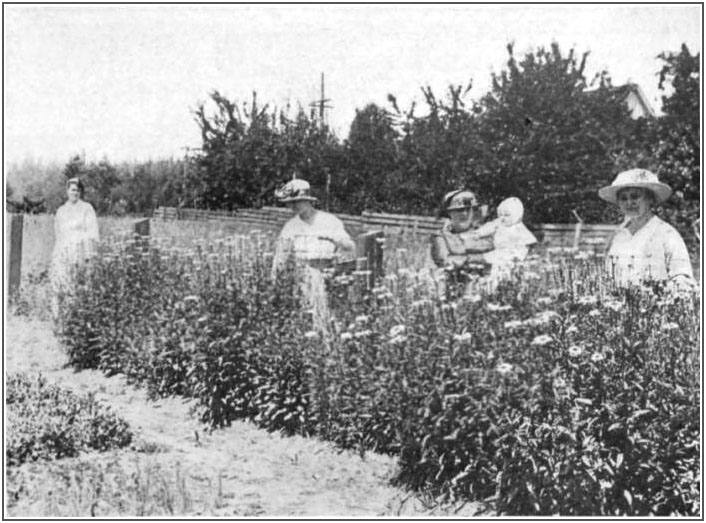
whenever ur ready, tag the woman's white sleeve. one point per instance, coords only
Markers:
(677, 256)
(92, 231)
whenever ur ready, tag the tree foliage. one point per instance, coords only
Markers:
(544, 133)
(678, 151)
(550, 137)
(247, 151)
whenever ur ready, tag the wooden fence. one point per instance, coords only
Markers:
(566, 235)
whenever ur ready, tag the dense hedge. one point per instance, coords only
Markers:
(45, 421)
(556, 395)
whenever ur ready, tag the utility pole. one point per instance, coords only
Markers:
(322, 103)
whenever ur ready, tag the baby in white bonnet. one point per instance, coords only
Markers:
(511, 239)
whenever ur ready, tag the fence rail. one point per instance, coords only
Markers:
(583, 236)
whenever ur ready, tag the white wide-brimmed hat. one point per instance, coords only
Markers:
(295, 190)
(641, 178)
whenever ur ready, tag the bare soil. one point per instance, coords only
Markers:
(233, 472)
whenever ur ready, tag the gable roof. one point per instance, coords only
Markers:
(634, 98)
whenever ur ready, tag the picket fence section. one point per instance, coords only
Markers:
(566, 235)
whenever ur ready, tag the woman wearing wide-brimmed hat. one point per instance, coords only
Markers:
(315, 237)
(311, 241)
(645, 248)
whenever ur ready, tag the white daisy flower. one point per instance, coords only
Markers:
(575, 351)
(541, 340)
(587, 300)
(504, 368)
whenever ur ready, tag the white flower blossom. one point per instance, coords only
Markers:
(471, 298)
(503, 368)
(670, 326)
(419, 304)
(463, 337)
(362, 319)
(575, 351)
(614, 305)
(559, 383)
(543, 318)
(311, 335)
(572, 329)
(346, 336)
(587, 300)
(541, 340)
(362, 334)
(594, 313)
(496, 307)
(597, 356)
(397, 330)
(544, 300)
(513, 324)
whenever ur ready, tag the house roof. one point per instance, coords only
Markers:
(634, 95)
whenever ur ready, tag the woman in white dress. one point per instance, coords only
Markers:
(314, 240)
(645, 248)
(75, 238)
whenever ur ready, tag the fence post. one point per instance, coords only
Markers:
(15, 272)
(142, 227)
(369, 248)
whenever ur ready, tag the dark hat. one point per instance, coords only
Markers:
(77, 182)
(459, 199)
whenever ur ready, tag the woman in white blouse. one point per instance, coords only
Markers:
(645, 248)
(75, 236)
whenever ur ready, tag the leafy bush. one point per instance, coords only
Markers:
(47, 422)
(557, 394)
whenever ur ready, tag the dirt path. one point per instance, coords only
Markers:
(248, 471)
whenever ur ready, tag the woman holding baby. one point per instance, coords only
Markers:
(467, 249)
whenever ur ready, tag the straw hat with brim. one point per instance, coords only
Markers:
(456, 200)
(641, 178)
(294, 191)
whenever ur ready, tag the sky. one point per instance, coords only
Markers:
(121, 81)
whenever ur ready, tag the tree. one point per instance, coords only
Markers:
(549, 141)
(247, 152)
(678, 152)
(371, 160)
(437, 150)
